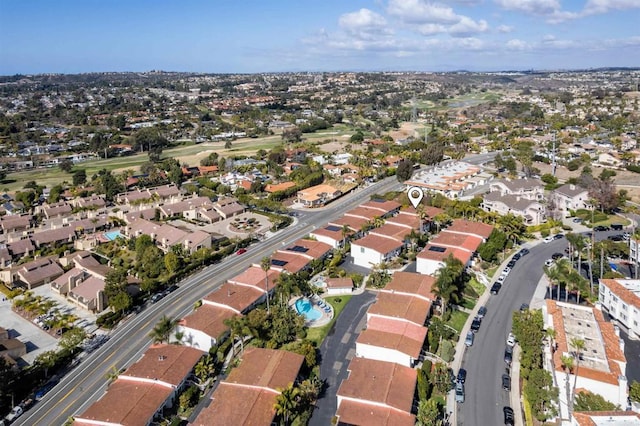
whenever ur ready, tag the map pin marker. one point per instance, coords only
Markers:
(415, 196)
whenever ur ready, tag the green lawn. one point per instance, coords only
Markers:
(469, 302)
(318, 334)
(457, 320)
(476, 286)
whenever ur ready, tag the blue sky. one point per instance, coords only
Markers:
(227, 36)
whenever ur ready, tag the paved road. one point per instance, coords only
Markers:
(336, 352)
(77, 390)
(484, 361)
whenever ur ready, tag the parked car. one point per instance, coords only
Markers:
(548, 239)
(462, 376)
(616, 227)
(508, 355)
(601, 228)
(524, 307)
(17, 412)
(577, 220)
(506, 271)
(617, 237)
(459, 392)
(475, 324)
(509, 419)
(511, 264)
(506, 382)
(558, 236)
(482, 312)
(40, 393)
(468, 341)
(511, 339)
(156, 297)
(495, 288)
(501, 279)
(516, 257)
(172, 288)
(556, 256)
(548, 262)
(626, 236)
(524, 252)
(241, 251)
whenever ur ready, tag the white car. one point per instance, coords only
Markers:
(548, 262)
(548, 239)
(501, 278)
(14, 414)
(506, 271)
(511, 339)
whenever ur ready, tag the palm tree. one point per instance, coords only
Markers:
(204, 368)
(287, 402)
(163, 329)
(265, 264)
(345, 232)
(579, 346)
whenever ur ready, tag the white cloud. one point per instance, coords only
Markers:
(516, 44)
(363, 22)
(551, 10)
(505, 29)
(434, 18)
(603, 6)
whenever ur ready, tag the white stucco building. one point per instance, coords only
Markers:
(621, 299)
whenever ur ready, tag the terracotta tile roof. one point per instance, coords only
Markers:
(436, 255)
(238, 405)
(468, 227)
(169, 364)
(236, 297)
(327, 231)
(379, 382)
(621, 291)
(289, 262)
(209, 319)
(266, 368)
(126, 403)
(389, 230)
(362, 414)
(411, 283)
(380, 244)
(399, 306)
(455, 240)
(405, 219)
(400, 342)
(589, 418)
(383, 206)
(310, 249)
(339, 282)
(254, 277)
(355, 223)
(365, 213)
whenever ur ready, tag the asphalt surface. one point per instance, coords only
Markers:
(336, 352)
(88, 381)
(484, 361)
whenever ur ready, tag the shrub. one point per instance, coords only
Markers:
(544, 232)
(447, 350)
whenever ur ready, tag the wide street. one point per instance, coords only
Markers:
(88, 381)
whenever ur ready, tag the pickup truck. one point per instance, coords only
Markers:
(14, 414)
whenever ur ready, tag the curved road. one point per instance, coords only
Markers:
(88, 381)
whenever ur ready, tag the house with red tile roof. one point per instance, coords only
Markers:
(602, 363)
(248, 395)
(142, 391)
(377, 393)
(400, 307)
(620, 298)
(373, 249)
(276, 187)
(387, 339)
(204, 328)
(336, 286)
(318, 195)
(412, 284)
(601, 418)
(333, 235)
(387, 208)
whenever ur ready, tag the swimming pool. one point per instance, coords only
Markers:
(112, 235)
(304, 307)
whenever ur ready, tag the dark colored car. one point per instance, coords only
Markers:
(509, 419)
(616, 227)
(558, 236)
(508, 355)
(462, 375)
(601, 228)
(172, 288)
(556, 256)
(482, 312)
(511, 263)
(40, 393)
(617, 237)
(475, 324)
(506, 382)
(495, 288)
(524, 252)
(516, 257)
(524, 307)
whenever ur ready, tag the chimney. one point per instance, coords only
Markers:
(572, 187)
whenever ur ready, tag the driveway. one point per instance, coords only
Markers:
(336, 351)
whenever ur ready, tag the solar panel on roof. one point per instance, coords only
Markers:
(438, 249)
(378, 200)
(298, 249)
(277, 262)
(333, 228)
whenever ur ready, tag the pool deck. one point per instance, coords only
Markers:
(318, 304)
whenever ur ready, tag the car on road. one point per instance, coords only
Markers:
(511, 263)
(626, 236)
(482, 312)
(617, 237)
(524, 252)
(548, 262)
(495, 288)
(616, 227)
(241, 251)
(459, 392)
(511, 339)
(577, 220)
(475, 324)
(462, 376)
(172, 288)
(17, 412)
(558, 236)
(601, 228)
(506, 271)
(40, 393)
(156, 297)
(524, 307)
(548, 239)
(508, 355)
(468, 341)
(509, 419)
(501, 279)
(556, 256)
(506, 382)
